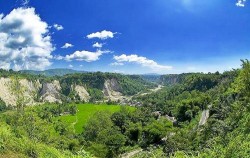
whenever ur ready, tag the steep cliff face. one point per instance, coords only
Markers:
(112, 90)
(50, 92)
(30, 90)
(36, 92)
(81, 92)
(170, 79)
(5, 93)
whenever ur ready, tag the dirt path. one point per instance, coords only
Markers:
(152, 90)
(74, 123)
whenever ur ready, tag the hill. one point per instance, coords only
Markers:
(52, 72)
(77, 87)
(192, 115)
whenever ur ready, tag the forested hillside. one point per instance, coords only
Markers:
(80, 87)
(52, 72)
(197, 115)
(225, 96)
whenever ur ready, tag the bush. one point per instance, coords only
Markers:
(3, 106)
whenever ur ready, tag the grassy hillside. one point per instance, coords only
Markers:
(85, 112)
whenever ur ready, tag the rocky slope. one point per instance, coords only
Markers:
(5, 93)
(81, 92)
(112, 90)
(171, 79)
(30, 90)
(33, 89)
(35, 92)
(50, 92)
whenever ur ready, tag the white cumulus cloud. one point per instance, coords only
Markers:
(82, 56)
(67, 45)
(71, 66)
(101, 35)
(58, 27)
(97, 45)
(24, 40)
(141, 61)
(241, 3)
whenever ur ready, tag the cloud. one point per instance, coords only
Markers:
(71, 66)
(101, 35)
(58, 27)
(241, 3)
(82, 56)
(58, 57)
(24, 40)
(97, 45)
(67, 45)
(25, 2)
(116, 64)
(141, 61)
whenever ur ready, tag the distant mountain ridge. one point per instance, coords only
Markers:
(53, 72)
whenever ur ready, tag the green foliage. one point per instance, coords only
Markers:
(95, 94)
(113, 139)
(3, 106)
(70, 129)
(193, 81)
(98, 123)
(100, 131)
(85, 112)
(52, 72)
(155, 131)
(28, 135)
(112, 133)
(94, 82)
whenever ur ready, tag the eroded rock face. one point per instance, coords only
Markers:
(51, 92)
(31, 90)
(5, 92)
(82, 92)
(112, 90)
(48, 92)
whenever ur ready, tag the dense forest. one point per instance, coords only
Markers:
(167, 125)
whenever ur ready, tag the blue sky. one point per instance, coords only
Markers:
(159, 36)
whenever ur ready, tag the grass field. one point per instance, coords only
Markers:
(85, 111)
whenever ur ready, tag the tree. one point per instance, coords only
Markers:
(96, 124)
(113, 139)
(133, 132)
(155, 131)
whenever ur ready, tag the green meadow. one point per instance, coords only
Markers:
(85, 112)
